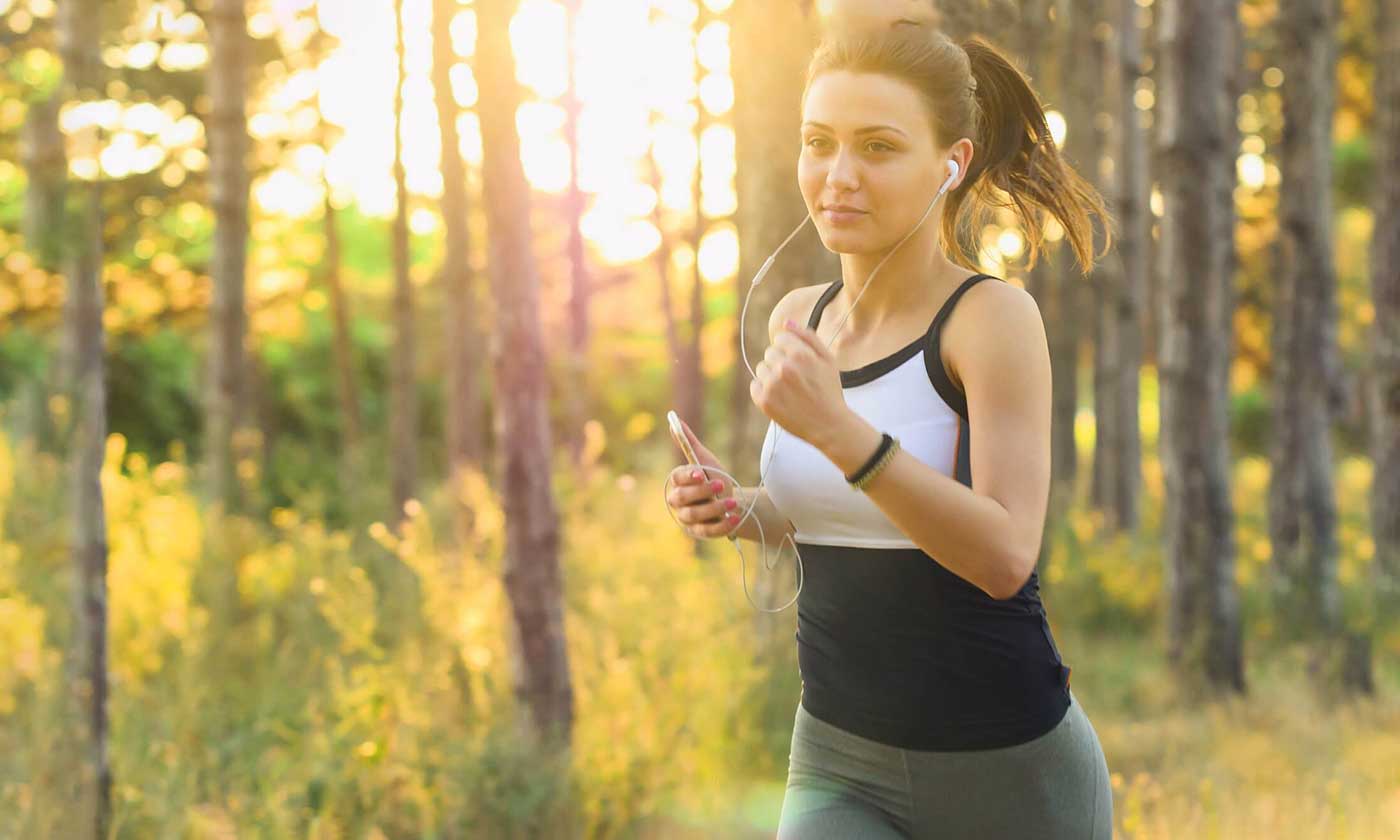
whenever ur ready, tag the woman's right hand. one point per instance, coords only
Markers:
(705, 504)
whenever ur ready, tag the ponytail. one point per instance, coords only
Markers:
(973, 91)
(1017, 164)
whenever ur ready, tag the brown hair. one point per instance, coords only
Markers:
(973, 91)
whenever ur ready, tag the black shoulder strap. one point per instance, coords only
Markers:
(933, 360)
(822, 301)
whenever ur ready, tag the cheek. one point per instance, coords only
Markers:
(810, 177)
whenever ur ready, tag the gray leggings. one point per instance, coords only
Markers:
(842, 786)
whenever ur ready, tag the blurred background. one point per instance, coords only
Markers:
(336, 342)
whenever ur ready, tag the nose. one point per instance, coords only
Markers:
(843, 174)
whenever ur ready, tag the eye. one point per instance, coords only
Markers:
(886, 146)
(815, 140)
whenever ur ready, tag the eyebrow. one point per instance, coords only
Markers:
(867, 130)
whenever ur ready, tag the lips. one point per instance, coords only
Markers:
(842, 215)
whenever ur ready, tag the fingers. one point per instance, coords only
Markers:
(789, 342)
(710, 532)
(685, 497)
(694, 492)
(704, 513)
(807, 338)
(778, 353)
(719, 525)
(698, 505)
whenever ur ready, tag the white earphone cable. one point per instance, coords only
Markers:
(953, 170)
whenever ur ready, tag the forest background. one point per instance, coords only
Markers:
(337, 337)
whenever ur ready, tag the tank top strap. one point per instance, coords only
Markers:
(822, 301)
(933, 360)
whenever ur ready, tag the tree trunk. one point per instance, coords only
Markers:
(403, 406)
(1064, 297)
(347, 391)
(577, 395)
(466, 438)
(46, 167)
(228, 184)
(693, 391)
(1096, 89)
(533, 578)
(662, 259)
(683, 347)
(1197, 115)
(1385, 325)
(1064, 293)
(1130, 191)
(79, 31)
(1302, 507)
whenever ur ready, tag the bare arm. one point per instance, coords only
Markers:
(775, 525)
(988, 534)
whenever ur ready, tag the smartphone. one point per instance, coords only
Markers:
(677, 432)
(673, 419)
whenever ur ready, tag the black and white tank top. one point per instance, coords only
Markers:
(892, 645)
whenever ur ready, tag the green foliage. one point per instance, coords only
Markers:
(1250, 422)
(152, 383)
(287, 678)
(283, 678)
(1355, 169)
(23, 358)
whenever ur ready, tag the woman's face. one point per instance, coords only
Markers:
(867, 145)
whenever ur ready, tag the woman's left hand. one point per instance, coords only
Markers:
(798, 385)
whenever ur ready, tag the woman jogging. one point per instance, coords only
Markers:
(913, 467)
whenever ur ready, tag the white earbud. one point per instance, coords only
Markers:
(953, 170)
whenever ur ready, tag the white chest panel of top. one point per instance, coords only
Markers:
(812, 492)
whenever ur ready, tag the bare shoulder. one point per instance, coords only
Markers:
(796, 304)
(988, 314)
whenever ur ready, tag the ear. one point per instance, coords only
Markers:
(961, 151)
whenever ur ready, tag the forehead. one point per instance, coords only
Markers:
(849, 101)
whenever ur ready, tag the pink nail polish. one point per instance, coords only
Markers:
(730, 504)
(716, 485)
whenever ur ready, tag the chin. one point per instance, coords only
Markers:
(844, 241)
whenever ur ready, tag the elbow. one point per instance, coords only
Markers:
(1016, 574)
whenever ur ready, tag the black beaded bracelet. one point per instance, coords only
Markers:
(886, 441)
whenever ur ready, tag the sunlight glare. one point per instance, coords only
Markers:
(717, 94)
(1059, 129)
(629, 98)
(537, 37)
(1252, 170)
(719, 254)
(712, 47)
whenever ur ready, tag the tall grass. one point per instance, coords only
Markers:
(283, 678)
